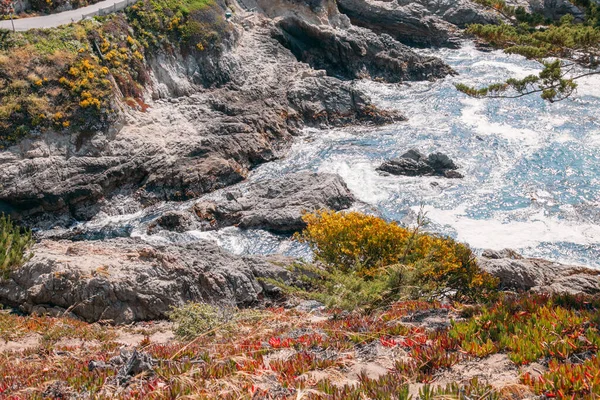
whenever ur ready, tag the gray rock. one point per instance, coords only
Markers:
(555, 9)
(134, 363)
(125, 280)
(356, 52)
(418, 22)
(177, 221)
(414, 163)
(439, 162)
(518, 273)
(275, 205)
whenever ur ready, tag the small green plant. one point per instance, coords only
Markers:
(568, 380)
(15, 244)
(195, 319)
(531, 327)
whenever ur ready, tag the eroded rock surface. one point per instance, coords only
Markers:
(356, 52)
(125, 280)
(213, 117)
(421, 22)
(276, 205)
(518, 273)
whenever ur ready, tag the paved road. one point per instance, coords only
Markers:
(54, 20)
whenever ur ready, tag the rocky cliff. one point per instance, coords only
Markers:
(211, 116)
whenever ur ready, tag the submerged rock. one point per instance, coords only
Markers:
(414, 163)
(125, 280)
(518, 273)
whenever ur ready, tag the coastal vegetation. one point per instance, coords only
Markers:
(74, 78)
(366, 262)
(567, 49)
(15, 244)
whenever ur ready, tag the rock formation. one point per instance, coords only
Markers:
(518, 273)
(275, 205)
(214, 117)
(422, 22)
(124, 280)
(414, 163)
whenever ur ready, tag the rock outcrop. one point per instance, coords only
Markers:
(125, 280)
(421, 22)
(414, 163)
(518, 273)
(275, 205)
(356, 52)
(555, 9)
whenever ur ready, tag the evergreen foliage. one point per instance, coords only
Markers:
(558, 45)
(14, 246)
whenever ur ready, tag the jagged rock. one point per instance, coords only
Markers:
(356, 53)
(518, 273)
(134, 363)
(421, 22)
(59, 390)
(127, 364)
(414, 163)
(178, 221)
(127, 280)
(345, 105)
(276, 205)
(555, 9)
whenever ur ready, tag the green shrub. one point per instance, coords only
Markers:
(193, 24)
(14, 246)
(195, 319)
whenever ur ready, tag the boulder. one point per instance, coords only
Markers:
(414, 163)
(518, 273)
(276, 205)
(125, 280)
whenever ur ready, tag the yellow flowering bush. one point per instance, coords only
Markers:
(381, 261)
(353, 240)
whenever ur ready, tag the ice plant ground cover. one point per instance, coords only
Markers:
(405, 350)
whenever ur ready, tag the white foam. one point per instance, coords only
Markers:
(361, 178)
(473, 114)
(496, 234)
(514, 70)
(589, 86)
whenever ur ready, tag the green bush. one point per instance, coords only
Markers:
(14, 246)
(195, 319)
(193, 24)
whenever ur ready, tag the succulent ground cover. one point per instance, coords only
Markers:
(472, 342)
(400, 352)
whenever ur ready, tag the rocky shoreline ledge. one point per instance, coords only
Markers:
(126, 280)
